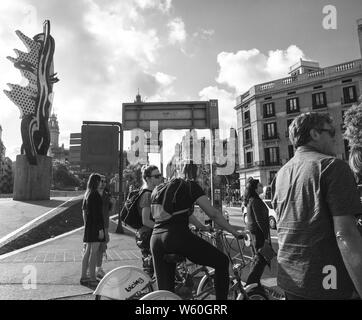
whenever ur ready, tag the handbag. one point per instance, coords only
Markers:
(267, 251)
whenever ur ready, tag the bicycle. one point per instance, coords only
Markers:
(237, 290)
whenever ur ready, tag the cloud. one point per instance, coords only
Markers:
(104, 51)
(177, 32)
(226, 101)
(246, 68)
(162, 5)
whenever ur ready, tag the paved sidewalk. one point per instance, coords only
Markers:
(58, 266)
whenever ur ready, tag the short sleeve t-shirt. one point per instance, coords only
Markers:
(186, 196)
(308, 191)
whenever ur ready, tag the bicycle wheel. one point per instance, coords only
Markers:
(257, 294)
(206, 289)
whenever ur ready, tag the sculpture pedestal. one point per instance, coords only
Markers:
(32, 182)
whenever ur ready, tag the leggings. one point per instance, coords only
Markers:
(259, 263)
(183, 242)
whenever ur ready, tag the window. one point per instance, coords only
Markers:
(271, 156)
(247, 116)
(349, 94)
(268, 110)
(249, 158)
(290, 151)
(292, 105)
(247, 136)
(270, 130)
(272, 175)
(319, 100)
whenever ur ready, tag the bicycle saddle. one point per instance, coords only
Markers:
(173, 258)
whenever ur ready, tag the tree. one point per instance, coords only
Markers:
(62, 178)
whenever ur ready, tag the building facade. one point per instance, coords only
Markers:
(265, 112)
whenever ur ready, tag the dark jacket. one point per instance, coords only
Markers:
(257, 217)
(94, 223)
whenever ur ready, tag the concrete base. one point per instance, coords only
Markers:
(32, 182)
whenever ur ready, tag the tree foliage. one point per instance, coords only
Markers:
(62, 178)
(353, 124)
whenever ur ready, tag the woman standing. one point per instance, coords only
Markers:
(94, 229)
(257, 224)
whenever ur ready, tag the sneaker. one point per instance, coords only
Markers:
(84, 281)
(100, 273)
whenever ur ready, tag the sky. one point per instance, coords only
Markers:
(171, 50)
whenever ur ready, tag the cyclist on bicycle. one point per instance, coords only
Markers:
(173, 236)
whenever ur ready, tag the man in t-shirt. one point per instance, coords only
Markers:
(316, 200)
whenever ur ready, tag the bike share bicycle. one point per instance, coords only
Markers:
(132, 283)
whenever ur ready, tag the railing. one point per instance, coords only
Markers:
(273, 137)
(345, 66)
(275, 163)
(248, 142)
(246, 121)
(315, 74)
(310, 76)
(347, 101)
(319, 106)
(266, 86)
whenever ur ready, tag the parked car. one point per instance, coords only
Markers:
(272, 214)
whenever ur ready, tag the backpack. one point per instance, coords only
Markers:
(163, 200)
(129, 214)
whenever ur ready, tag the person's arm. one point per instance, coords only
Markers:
(99, 216)
(350, 243)
(84, 216)
(198, 224)
(216, 215)
(146, 217)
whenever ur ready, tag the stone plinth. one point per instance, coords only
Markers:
(32, 182)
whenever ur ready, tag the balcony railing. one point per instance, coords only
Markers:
(355, 65)
(248, 142)
(287, 133)
(273, 137)
(319, 106)
(246, 121)
(348, 101)
(273, 163)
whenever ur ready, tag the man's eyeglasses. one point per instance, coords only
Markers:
(157, 176)
(331, 131)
